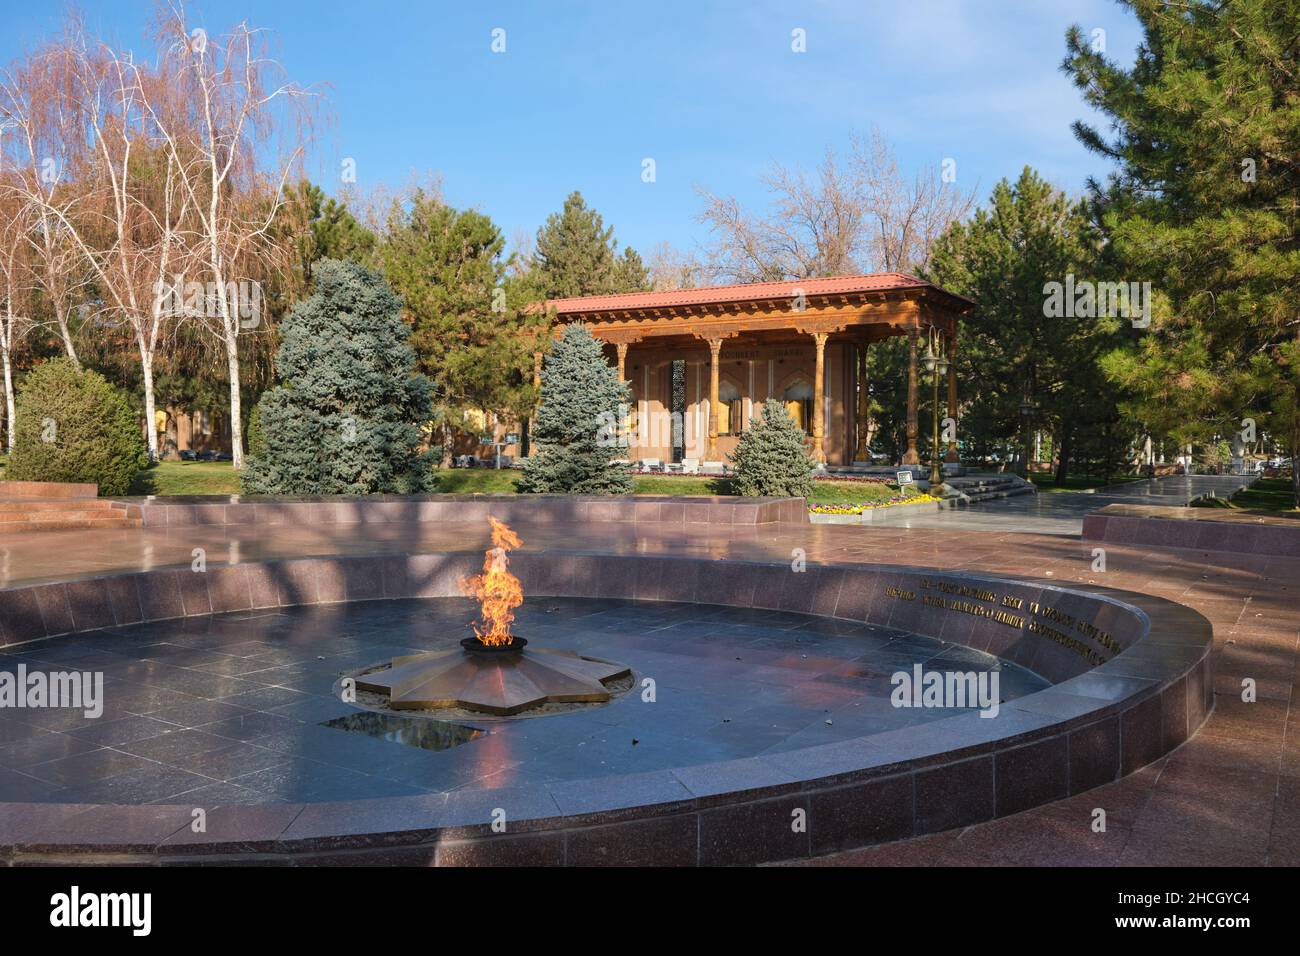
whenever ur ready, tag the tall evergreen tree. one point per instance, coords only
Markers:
(347, 416)
(1206, 205)
(471, 330)
(575, 432)
(324, 228)
(1013, 351)
(632, 275)
(576, 255)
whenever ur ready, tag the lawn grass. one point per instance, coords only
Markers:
(187, 478)
(182, 478)
(490, 481)
(1267, 494)
(475, 481)
(850, 492)
(486, 481)
(1045, 481)
(218, 478)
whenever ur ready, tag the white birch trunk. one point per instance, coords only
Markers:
(9, 402)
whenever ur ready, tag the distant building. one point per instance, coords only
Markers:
(186, 433)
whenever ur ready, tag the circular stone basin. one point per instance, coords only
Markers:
(241, 708)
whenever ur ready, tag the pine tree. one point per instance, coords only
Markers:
(471, 332)
(1029, 235)
(324, 228)
(632, 274)
(770, 459)
(577, 255)
(347, 416)
(582, 403)
(1206, 206)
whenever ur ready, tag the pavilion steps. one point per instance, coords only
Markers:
(972, 489)
(19, 515)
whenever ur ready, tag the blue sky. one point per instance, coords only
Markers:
(710, 90)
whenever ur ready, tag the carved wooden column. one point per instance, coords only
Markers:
(911, 457)
(863, 450)
(951, 455)
(819, 399)
(624, 419)
(715, 347)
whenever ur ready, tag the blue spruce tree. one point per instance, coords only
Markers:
(346, 417)
(582, 400)
(770, 460)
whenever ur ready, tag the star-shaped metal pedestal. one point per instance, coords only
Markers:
(502, 684)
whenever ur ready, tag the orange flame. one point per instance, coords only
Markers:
(497, 590)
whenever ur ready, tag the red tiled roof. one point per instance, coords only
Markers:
(750, 291)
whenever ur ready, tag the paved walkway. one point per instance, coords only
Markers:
(1231, 795)
(1063, 512)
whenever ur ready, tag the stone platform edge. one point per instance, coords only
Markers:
(48, 489)
(534, 509)
(1094, 726)
(1184, 528)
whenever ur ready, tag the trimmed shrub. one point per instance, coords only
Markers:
(75, 426)
(770, 459)
(347, 415)
(256, 438)
(575, 433)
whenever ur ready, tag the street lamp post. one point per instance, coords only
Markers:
(935, 360)
(1027, 409)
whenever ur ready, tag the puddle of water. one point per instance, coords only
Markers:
(414, 732)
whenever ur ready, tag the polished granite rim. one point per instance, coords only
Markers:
(176, 511)
(1199, 529)
(1096, 724)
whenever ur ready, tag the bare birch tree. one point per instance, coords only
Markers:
(239, 115)
(41, 148)
(129, 226)
(16, 284)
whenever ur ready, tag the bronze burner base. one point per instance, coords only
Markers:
(501, 681)
(473, 645)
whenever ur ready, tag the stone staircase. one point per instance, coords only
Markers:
(971, 489)
(51, 506)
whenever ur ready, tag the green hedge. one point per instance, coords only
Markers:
(74, 426)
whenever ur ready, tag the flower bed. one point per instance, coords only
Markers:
(859, 479)
(859, 508)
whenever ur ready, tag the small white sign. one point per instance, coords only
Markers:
(905, 478)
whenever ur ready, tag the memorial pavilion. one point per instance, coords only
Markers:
(728, 348)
